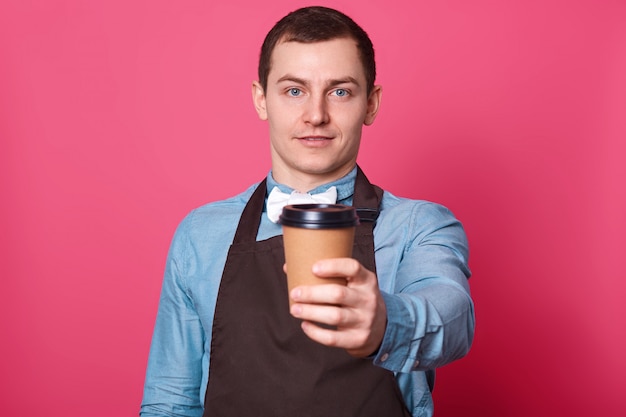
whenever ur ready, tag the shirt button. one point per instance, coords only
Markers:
(384, 357)
(416, 364)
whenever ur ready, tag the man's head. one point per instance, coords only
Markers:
(316, 95)
(316, 24)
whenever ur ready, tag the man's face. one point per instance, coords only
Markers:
(316, 104)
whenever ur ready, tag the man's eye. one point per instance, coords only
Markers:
(294, 92)
(340, 92)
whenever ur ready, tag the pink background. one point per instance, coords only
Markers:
(117, 117)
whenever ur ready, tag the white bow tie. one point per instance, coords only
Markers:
(277, 200)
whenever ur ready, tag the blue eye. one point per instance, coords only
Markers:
(340, 92)
(294, 92)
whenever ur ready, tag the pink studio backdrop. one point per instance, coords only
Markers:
(118, 117)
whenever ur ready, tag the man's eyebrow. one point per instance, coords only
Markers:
(292, 79)
(346, 80)
(330, 83)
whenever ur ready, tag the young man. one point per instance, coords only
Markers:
(226, 342)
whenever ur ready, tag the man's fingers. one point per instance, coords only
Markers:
(341, 267)
(326, 314)
(323, 294)
(352, 341)
(352, 316)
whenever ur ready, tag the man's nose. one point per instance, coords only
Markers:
(316, 112)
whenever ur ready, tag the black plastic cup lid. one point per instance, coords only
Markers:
(319, 216)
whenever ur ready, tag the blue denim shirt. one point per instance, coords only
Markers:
(421, 256)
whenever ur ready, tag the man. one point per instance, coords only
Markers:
(226, 342)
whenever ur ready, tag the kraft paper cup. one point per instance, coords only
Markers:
(312, 232)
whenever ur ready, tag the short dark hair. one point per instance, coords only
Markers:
(316, 24)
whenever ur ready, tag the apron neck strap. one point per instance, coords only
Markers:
(367, 198)
(248, 226)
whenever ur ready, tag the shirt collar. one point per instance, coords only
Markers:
(345, 186)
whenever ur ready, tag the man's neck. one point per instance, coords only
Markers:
(304, 182)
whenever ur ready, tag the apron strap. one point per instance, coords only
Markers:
(366, 195)
(248, 226)
(367, 198)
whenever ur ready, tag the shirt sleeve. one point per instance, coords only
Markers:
(430, 314)
(174, 373)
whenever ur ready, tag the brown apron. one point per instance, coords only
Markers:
(262, 364)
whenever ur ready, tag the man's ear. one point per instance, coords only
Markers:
(258, 98)
(373, 104)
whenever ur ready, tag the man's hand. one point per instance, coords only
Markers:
(357, 310)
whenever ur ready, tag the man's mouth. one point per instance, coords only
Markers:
(315, 138)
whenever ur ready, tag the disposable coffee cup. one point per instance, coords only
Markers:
(312, 232)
